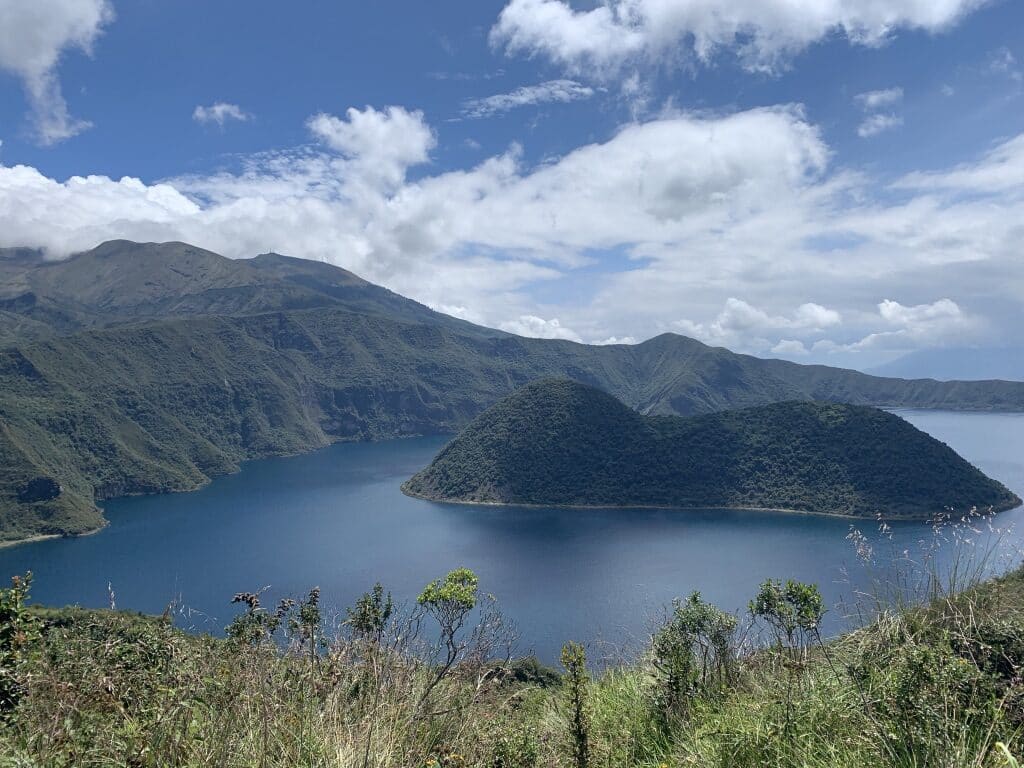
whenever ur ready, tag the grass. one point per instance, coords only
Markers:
(935, 683)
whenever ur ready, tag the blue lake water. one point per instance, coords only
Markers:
(337, 519)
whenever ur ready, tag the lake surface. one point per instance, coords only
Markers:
(336, 518)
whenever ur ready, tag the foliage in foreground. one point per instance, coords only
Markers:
(431, 684)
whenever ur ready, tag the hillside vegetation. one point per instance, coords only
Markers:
(429, 686)
(140, 368)
(561, 442)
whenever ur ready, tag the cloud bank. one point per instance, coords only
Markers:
(733, 228)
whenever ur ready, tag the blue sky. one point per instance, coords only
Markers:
(826, 180)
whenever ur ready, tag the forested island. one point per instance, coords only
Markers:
(559, 442)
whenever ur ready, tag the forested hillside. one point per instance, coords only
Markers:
(560, 442)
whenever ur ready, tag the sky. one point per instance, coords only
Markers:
(831, 181)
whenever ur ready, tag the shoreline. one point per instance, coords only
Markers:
(677, 508)
(48, 536)
(240, 463)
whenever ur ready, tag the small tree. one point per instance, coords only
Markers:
(692, 651)
(574, 659)
(449, 602)
(793, 611)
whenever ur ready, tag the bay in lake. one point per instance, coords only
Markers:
(337, 519)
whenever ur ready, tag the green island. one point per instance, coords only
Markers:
(559, 442)
(933, 684)
(145, 368)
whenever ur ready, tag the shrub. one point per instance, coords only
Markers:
(691, 652)
(574, 659)
(371, 613)
(793, 611)
(18, 632)
(515, 746)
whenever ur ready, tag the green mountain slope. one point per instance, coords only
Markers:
(137, 368)
(560, 442)
(121, 281)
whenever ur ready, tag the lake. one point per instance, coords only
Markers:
(337, 519)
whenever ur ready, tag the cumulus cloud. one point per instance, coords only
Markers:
(872, 125)
(384, 144)
(763, 33)
(562, 91)
(615, 340)
(219, 113)
(790, 348)
(33, 36)
(939, 323)
(539, 328)
(744, 326)
(695, 211)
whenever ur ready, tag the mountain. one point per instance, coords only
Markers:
(948, 364)
(141, 368)
(121, 281)
(558, 442)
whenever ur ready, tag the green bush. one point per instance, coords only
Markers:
(693, 651)
(19, 631)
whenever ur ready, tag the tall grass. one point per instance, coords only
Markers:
(931, 677)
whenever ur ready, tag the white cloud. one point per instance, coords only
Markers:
(791, 348)
(878, 122)
(763, 33)
(219, 113)
(562, 91)
(942, 310)
(1001, 170)
(695, 211)
(743, 326)
(33, 36)
(923, 325)
(872, 100)
(872, 125)
(615, 340)
(384, 143)
(539, 328)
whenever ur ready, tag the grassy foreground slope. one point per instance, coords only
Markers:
(560, 442)
(936, 686)
(139, 368)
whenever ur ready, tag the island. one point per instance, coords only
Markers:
(557, 442)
